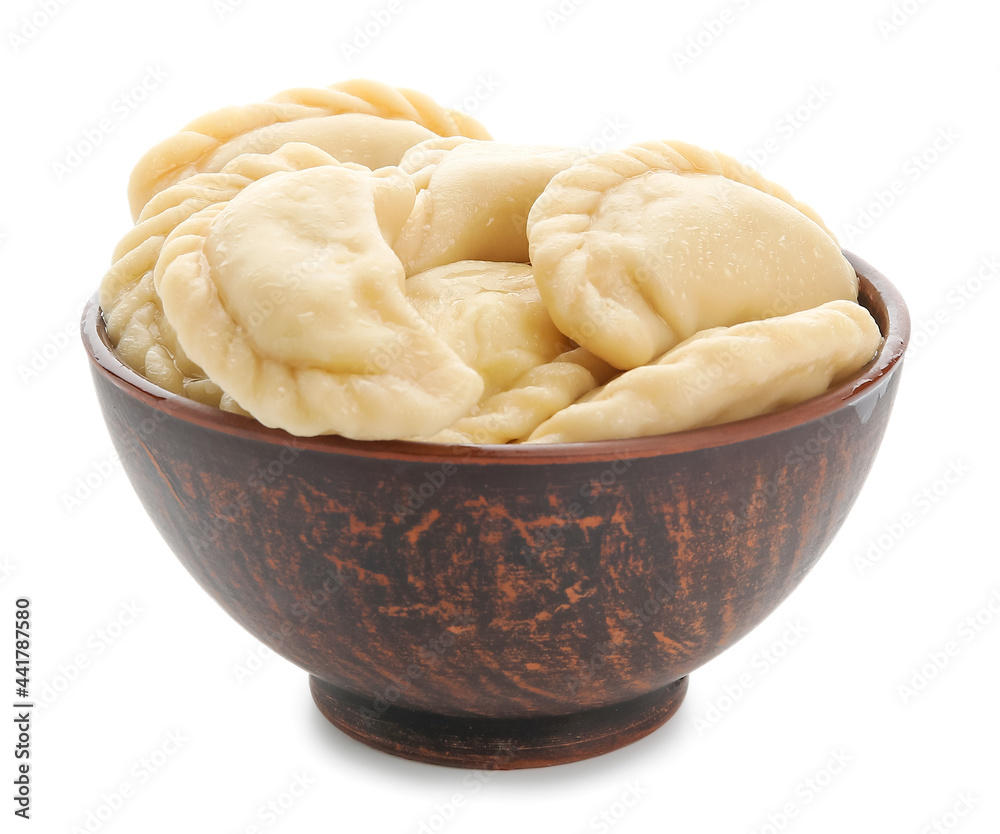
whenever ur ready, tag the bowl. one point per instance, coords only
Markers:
(501, 606)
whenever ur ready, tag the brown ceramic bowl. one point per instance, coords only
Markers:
(501, 606)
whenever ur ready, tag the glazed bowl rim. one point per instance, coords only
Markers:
(847, 393)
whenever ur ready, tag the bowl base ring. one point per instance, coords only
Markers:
(497, 743)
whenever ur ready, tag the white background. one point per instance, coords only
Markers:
(852, 96)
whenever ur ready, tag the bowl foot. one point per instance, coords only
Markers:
(497, 743)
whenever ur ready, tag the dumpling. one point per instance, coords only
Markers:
(133, 313)
(491, 315)
(473, 200)
(291, 299)
(724, 374)
(634, 251)
(360, 121)
(513, 414)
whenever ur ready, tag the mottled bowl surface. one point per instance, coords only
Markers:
(501, 606)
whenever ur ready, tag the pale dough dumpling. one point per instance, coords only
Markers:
(513, 414)
(292, 301)
(360, 121)
(136, 325)
(473, 200)
(724, 374)
(421, 161)
(491, 315)
(636, 250)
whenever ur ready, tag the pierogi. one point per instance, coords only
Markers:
(133, 312)
(473, 200)
(292, 301)
(723, 374)
(491, 315)
(636, 250)
(514, 413)
(360, 121)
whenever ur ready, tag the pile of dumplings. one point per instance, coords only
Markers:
(358, 260)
